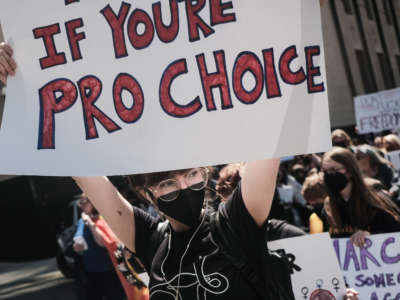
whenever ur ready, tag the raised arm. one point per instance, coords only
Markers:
(258, 187)
(93, 228)
(117, 212)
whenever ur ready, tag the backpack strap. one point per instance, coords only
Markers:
(275, 286)
(231, 250)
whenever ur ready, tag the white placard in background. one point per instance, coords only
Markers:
(378, 112)
(320, 272)
(394, 158)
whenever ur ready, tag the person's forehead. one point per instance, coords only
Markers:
(316, 200)
(179, 173)
(330, 163)
(171, 175)
(339, 138)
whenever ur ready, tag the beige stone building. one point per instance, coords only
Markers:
(362, 50)
(362, 45)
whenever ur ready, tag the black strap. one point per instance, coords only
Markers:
(234, 254)
(278, 266)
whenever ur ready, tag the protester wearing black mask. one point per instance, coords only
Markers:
(186, 261)
(298, 172)
(315, 193)
(352, 208)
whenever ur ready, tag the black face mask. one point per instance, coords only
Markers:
(186, 208)
(335, 181)
(299, 176)
(318, 207)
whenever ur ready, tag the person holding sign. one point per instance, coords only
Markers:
(184, 258)
(353, 208)
(189, 264)
(102, 279)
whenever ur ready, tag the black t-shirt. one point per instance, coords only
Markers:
(205, 272)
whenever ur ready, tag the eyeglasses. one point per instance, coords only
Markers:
(168, 190)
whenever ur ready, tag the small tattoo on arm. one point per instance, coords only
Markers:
(119, 212)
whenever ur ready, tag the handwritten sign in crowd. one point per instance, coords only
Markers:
(318, 274)
(394, 158)
(374, 271)
(116, 87)
(378, 112)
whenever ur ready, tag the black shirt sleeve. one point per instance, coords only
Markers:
(147, 236)
(251, 236)
(280, 229)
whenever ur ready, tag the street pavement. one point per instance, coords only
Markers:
(38, 280)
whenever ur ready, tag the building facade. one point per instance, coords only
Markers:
(1, 87)
(362, 49)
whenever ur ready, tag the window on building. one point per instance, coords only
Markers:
(386, 72)
(387, 11)
(398, 63)
(366, 72)
(347, 6)
(368, 8)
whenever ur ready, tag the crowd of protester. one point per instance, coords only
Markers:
(350, 191)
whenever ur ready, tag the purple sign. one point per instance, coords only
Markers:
(374, 270)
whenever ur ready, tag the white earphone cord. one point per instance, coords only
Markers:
(183, 256)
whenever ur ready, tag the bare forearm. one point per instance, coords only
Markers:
(117, 212)
(258, 187)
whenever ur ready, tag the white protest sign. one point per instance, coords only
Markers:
(394, 158)
(374, 271)
(320, 276)
(378, 112)
(110, 87)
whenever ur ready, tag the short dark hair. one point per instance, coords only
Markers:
(140, 183)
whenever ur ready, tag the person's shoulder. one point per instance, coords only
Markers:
(281, 229)
(232, 200)
(149, 223)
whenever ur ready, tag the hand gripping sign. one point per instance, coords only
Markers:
(117, 87)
